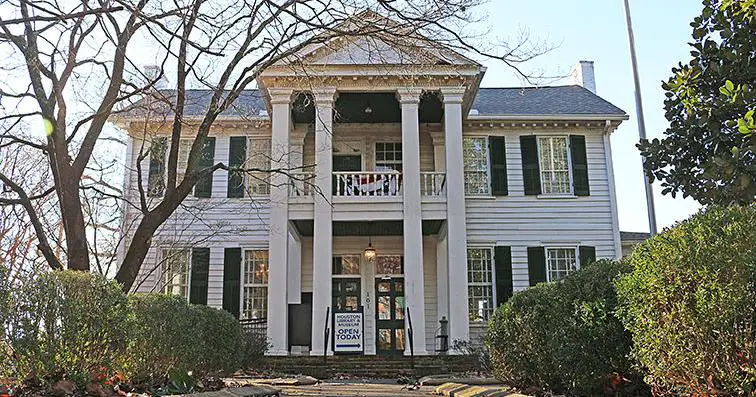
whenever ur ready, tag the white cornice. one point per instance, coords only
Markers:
(549, 117)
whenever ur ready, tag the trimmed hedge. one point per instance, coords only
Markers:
(690, 304)
(82, 327)
(564, 336)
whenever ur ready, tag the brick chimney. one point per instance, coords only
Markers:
(582, 75)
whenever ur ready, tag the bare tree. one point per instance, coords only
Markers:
(75, 64)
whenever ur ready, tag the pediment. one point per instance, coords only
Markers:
(386, 45)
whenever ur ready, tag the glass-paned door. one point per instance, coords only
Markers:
(346, 294)
(389, 313)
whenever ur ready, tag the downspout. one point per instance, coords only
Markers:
(612, 190)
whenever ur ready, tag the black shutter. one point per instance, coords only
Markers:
(204, 186)
(156, 176)
(587, 254)
(503, 263)
(536, 265)
(232, 280)
(200, 269)
(498, 149)
(579, 165)
(531, 172)
(236, 156)
(336, 267)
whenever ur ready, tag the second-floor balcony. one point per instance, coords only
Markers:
(371, 184)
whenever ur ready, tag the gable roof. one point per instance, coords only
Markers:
(530, 101)
(516, 101)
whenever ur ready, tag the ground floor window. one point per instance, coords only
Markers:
(560, 262)
(175, 274)
(255, 284)
(480, 283)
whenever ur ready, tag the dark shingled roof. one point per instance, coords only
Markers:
(634, 236)
(567, 100)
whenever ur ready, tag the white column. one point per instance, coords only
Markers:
(439, 156)
(322, 241)
(413, 218)
(442, 276)
(278, 237)
(294, 272)
(456, 237)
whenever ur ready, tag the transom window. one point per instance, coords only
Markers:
(560, 262)
(554, 163)
(388, 155)
(255, 288)
(258, 157)
(388, 265)
(475, 154)
(345, 286)
(176, 271)
(480, 283)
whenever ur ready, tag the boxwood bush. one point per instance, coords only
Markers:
(565, 337)
(82, 327)
(690, 304)
(65, 324)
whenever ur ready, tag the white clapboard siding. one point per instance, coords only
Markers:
(522, 221)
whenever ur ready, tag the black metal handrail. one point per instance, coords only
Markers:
(326, 334)
(410, 332)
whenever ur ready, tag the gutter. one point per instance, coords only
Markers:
(540, 117)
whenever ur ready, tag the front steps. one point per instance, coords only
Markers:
(369, 366)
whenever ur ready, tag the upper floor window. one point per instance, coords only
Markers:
(554, 163)
(388, 156)
(175, 274)
(475, 155)
(258, 157)
(255, 284)
(480, 283)
(560, 262)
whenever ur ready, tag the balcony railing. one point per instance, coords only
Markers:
(302, 184)
(367, 184)
(432, 184)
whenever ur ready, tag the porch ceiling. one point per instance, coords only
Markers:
(352, 107)
(368, 228)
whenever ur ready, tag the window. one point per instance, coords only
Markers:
(388, 156)
(554, 164)
(255, 284)
(388, 264)
(475, 154)
(560, 262)
(480, 283)
(185, 146)
(258, 156)
(176, 271)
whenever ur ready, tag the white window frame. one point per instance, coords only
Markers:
(546, 252)
(257, 184)
(570, 187)
(491, 283)
(164, 257)
(253, 285)
(487, 168)
(388, 163)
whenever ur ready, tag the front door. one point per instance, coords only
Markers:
(389, 294)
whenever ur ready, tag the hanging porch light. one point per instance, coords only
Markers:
(370, 251)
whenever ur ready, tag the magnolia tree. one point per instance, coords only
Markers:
(73, 65)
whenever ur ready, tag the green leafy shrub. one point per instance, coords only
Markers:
(690, 304)
(171, 336)
(221, 339)
(564, 336)
(65, 324)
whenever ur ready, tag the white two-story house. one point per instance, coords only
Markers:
(417, 196)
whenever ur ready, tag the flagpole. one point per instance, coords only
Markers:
(641, 121)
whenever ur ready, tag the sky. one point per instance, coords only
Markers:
(595, 30)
